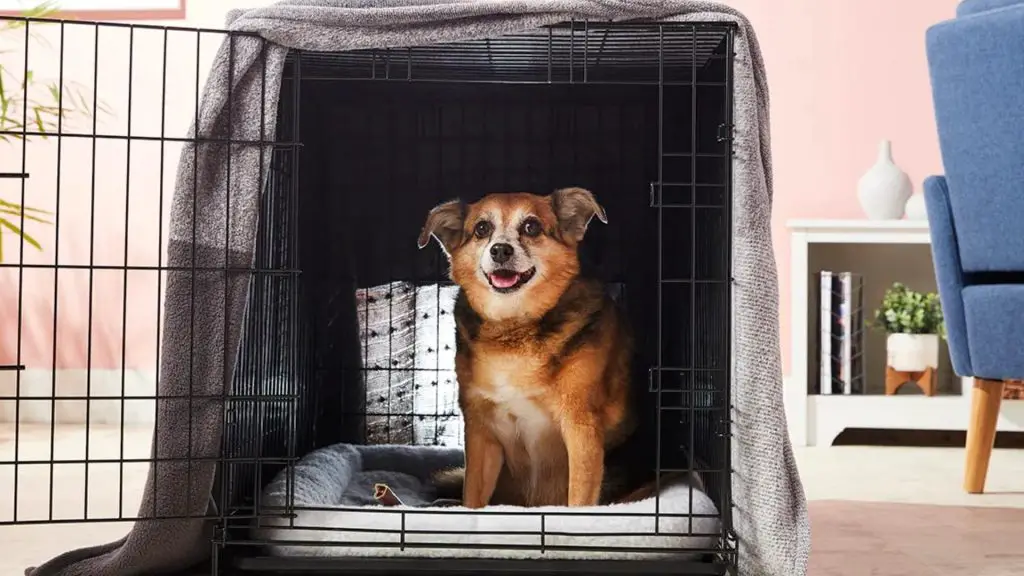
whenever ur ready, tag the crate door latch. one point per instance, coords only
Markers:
(725, 132)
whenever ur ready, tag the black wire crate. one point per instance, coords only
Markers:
(640, 114)
(569, 53)
(300, 348)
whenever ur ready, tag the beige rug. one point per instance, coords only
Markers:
(887, 539)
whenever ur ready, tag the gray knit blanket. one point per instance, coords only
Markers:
(214, 224)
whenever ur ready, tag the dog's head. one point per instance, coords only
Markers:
(513, 254)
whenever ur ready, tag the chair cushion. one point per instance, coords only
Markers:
(995, 330)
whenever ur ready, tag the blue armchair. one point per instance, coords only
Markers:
(976, 211)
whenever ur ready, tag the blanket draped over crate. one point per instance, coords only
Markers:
(214, 225)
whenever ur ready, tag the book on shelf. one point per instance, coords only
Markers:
(841, 333)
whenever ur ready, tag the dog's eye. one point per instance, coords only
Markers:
(482, 229)
(531, 228)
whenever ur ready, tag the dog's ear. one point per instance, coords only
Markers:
(575, 207)
(444, 222)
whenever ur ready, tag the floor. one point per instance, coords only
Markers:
(887, 539)
(30, 544)
(901, 512)
(908, 475)
(863, 510)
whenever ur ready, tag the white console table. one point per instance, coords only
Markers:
(816, 420)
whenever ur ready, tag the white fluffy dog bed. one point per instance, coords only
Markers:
(336, 514)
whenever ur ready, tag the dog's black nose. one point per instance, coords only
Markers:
(501, 253)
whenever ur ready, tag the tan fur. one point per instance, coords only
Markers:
(544, 371)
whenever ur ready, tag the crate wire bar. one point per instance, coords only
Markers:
(347, 332)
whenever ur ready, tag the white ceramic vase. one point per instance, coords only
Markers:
(912, 352)
(884, 189)
(915, 208)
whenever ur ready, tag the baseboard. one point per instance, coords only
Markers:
(39, 396)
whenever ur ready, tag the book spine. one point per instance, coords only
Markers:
(846, 322)
(857, 376)
(825, 334)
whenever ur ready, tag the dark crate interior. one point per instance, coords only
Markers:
(357, 346)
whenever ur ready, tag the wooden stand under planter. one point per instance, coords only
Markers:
(911, 358)
(925, 380)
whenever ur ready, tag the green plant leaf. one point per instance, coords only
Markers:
(908, 312)
(3, 94)
(24, 236)
(19, 207)
(25, 216)
(42, 10)
(81, 99)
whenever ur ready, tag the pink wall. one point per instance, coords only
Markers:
(843, 74)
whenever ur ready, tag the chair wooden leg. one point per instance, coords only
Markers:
(981, 432)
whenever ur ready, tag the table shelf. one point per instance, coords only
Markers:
(882, 251)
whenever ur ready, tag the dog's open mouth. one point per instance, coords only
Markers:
(509, 280)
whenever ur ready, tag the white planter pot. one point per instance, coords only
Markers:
(884, 189)
(912, 352)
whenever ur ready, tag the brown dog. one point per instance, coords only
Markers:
(542, 355)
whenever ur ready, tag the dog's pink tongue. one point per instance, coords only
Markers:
(504, 280)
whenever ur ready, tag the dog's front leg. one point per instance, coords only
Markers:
(484, 459)
(584, 443)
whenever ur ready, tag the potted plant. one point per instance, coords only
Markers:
(914, 324)
(32, 106)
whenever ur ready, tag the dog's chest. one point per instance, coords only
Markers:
(520, 418)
